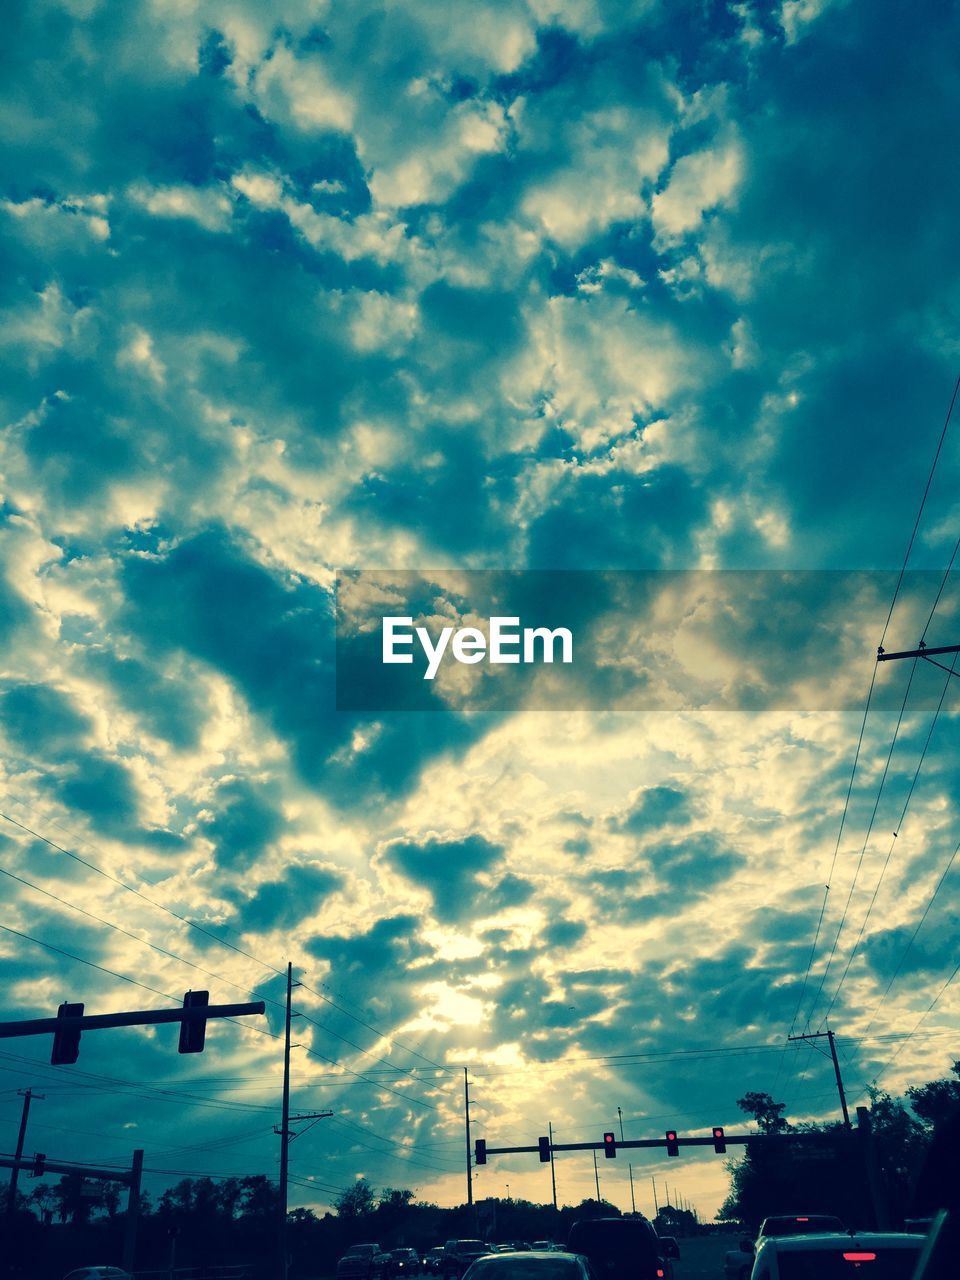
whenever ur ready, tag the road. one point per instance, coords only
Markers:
(702, 1258)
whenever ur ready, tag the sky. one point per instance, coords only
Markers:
(302, 291)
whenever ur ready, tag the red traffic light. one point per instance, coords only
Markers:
(609, 1145)
(719, 1142)
(673, 1146)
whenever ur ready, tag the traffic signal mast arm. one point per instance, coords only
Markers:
(124, 1176)
(135, 1018)
(734, 1139)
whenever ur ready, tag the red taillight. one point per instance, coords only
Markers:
(660, 1273)
(859, 1257)
(801, 1219)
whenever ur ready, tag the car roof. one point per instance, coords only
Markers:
(831, 1239)
(552, 1254)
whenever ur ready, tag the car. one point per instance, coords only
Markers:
(545, 1246)
(98, 1273)
(458, 1256)
(433, 1259)
(799, 1224)
(618, 1248)
(530, 1264)
(835, 1255)
(669, 1253)
(403, 1262)
(362, 1262)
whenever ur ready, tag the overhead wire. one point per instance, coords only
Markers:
(893, 842)
(208, 933)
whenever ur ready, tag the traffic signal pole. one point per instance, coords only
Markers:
(466, 1121)
(553, 1175)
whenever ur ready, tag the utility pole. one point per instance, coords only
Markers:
(633, 1199)
(27, 1095)
(596, 1174)
(819, 1035)
(466, 1120)
(553, 1176)
(656, 1207)
(284, 1131)
(132, 1218)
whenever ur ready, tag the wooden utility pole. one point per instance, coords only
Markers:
(27, 1095)
(633, 1198)
(819, 1035)
(284, 1132)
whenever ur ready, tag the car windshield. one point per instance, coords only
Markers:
(524, 1268)
(847, 1261)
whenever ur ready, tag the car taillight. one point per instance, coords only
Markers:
(859, 1257)
(660, 1273)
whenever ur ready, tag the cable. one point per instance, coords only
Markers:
(923, 500)
(866, 839)
(910, 1034)
(181, 959)
(836, 851)
(137, 893)
(216, 938)
(913, 936)
(371, 1027)
(883, 870)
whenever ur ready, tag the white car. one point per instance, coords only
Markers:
(887, 1255)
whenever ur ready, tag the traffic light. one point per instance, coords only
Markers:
(66, 1044)
(544, 1145)
(480, 1151)
(673, 1147)
(39, 1164)
(719, 1144)
(192, 1034)
(609, 1146)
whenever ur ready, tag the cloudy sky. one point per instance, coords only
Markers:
(297, 289)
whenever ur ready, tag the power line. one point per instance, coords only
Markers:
(216, 938)
(883, 870)
(866, 839)
(913, 936)
(923, 501)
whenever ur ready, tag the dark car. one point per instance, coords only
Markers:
(433, 1260)
(362, 1262)
(527, 1264)
(458, 1256)
(403, 1262)
(618, 1248)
